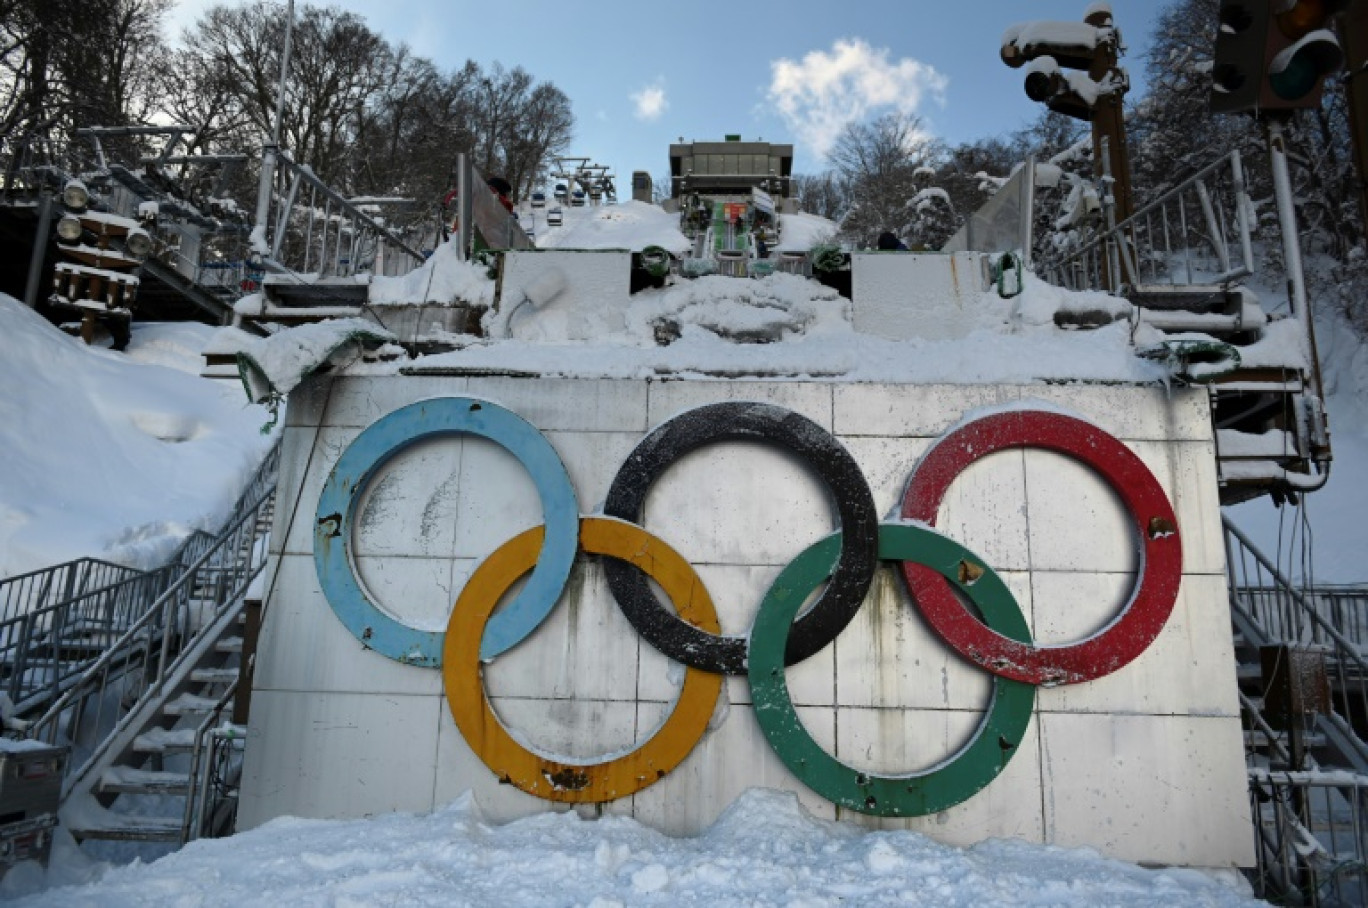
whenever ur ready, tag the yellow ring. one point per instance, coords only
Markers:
(552, 779)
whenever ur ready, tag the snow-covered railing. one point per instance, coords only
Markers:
(314, 229)
(1310, 836)
(1277, 612)
(114, 689)
(57, 620)
(1197, 233)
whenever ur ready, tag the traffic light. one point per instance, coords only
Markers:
(1046, 49)
(1273, 54)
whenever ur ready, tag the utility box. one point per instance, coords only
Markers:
(30, 792)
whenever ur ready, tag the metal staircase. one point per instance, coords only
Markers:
(139, 673)
(1304, 697)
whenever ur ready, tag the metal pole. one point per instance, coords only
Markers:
(463, 205)
(1292, 260)
(40, 244)
(1353, 32)
(268, 152)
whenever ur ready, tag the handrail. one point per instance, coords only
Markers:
(48, 720)
(192, 821)
(158, 625)
(1294, 619)
(1084, 265)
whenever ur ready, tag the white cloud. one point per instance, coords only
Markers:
(818, 95)
(650, 101)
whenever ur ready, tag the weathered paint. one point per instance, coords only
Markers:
(815, 447)
(950, 782)
(363, 459)
(545, 777)
(1150, 514)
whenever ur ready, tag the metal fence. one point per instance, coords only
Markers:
(134, 667)
(313, 229)
(55, 622)
(1266, 605)
(1197, 233)
(1310, 837)
(215, 768)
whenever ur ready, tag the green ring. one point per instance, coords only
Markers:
(955, 779)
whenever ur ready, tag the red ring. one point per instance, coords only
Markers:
(1161, 552)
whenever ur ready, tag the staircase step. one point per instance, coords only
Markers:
(122, 780)
(162, 741)
(1245, 671)
(190, 705)
(229, 645)
(134, 829)
(214, 675)
(1257, 738)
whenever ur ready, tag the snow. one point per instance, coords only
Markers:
(441, 279)
(764, 850)
(275, 365)
(110, 455)
(630, 225)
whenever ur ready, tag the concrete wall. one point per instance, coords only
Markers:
(1143, 764)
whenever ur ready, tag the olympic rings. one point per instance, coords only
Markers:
(1161, 553)
(823, 454)
(374, 447)
(932, 566)
(918, 794)
(542, 776)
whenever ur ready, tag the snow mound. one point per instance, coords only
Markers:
(764, 850)
(110, 455)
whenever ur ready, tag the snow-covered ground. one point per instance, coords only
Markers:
(119, 456)
(764, 851)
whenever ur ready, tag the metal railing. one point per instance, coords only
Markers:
(215, 765)
(1280, 613)
(114, 687)
(1197, 233)
(1344, 608)
(1310, 837)
(316, 230)
(56, 622)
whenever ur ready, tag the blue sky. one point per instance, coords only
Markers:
(640, 75)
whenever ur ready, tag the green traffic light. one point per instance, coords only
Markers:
(1298, 79)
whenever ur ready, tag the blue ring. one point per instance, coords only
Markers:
(370, 451)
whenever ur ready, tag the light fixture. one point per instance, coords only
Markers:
(139, 242)
(69, 228)
(75, 194)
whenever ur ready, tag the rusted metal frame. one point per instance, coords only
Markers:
(192, 819)
(777, 427)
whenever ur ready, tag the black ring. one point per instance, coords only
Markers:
(815, 446)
